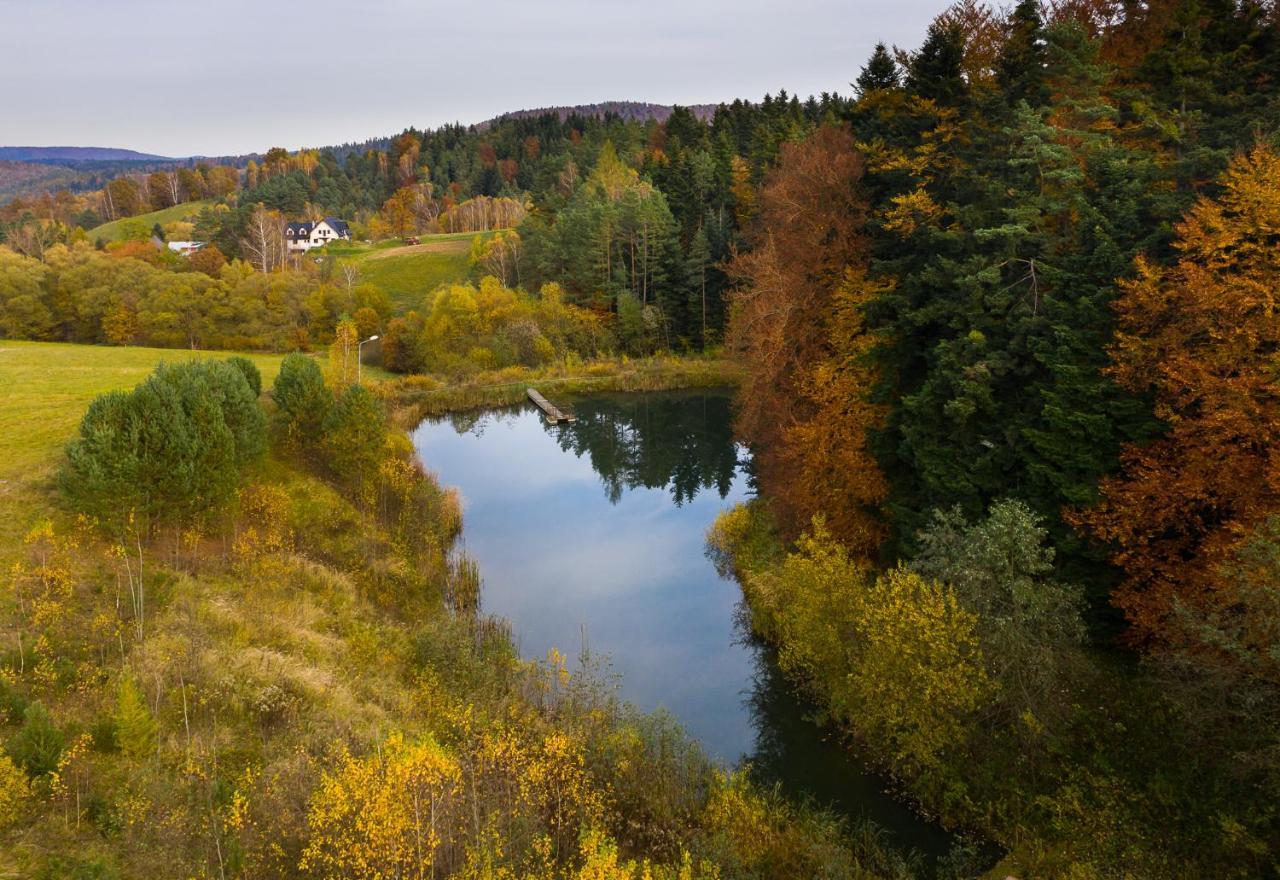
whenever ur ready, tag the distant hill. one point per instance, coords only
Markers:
(77, 155)
(633, 111)
(28, 178)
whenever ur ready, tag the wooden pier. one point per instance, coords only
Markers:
(555, 416)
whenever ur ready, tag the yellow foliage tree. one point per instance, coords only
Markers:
(895, 657)
(343, 354)
(15, 789)
(389, 814)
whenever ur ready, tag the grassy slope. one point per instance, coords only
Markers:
(276, 626)
(114, 231)
(409, 273)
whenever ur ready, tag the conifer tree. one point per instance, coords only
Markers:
(936, 69)
(1021, 67)
(880, 72)
(135, 728)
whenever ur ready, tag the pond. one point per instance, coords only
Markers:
(592, 535)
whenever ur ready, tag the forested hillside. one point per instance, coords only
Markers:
(1007, 329)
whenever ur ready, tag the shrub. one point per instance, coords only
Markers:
(1001, 570)
(12, 703)
(250, 371)
(38, 745)
(895, 656)
(170, 451)
(302, 400)
(14, 791)
(135, 728)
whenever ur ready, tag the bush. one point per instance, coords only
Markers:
(1001, 570)
(302, 399)
(12, 703)
(135, 728)
(38, 744)
(250, 371)
(14, 791)
(170, 451)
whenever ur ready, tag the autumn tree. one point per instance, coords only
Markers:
(1198, 337)
(895, 656)
(798, 328)
(390, 814)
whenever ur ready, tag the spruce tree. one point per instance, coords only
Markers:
(936, 70)
(1021, 68)
(302, 401)
(880, 72)
(135, 728)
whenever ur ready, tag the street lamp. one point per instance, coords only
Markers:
(360, 358)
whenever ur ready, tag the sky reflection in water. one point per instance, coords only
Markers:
(606, 536)
(599, 527)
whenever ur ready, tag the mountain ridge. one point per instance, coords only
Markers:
(70, 155)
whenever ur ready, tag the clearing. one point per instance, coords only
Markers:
(408, 273)
(115, 230)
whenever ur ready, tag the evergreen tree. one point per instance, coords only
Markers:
(38, 743)
(355, 436)
(936, 69)
(302, 400)
(1021, 67)
(880, 72)
(697, 266)
(135, 728)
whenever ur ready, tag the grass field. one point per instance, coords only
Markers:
(114, 231)
(409, 272)
(45, 387)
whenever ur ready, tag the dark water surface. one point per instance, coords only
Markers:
(596, 530)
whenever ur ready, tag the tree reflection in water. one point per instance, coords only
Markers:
(678, 441)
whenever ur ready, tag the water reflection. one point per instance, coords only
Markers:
(657, 441)
(809, 761)
(625, 566)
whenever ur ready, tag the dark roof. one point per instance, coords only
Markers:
(296, 229)
(339, 226)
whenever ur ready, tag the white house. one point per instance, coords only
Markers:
(302, 237)
(185, 248)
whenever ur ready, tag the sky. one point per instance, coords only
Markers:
(232, 77)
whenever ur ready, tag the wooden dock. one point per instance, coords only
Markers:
(555, 416)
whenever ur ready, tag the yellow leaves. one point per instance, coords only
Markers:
(1200, 337)
(409, 808)
(342, 355)
(737, 813)
(265, 508)
(895, 656)
(919, 668)
(909, 212)
(15, 791)
(384, 815)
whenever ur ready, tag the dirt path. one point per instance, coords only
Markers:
(453, 246)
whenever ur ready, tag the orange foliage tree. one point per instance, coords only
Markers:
(1200, 337)
(796, 323)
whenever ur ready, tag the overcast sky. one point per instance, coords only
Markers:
(237, 76)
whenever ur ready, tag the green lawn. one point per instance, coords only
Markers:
(45, 388)
(409, 273)
(114, 231)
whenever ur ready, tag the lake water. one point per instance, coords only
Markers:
(596, 531)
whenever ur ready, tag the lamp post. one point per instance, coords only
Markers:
(360, 358)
